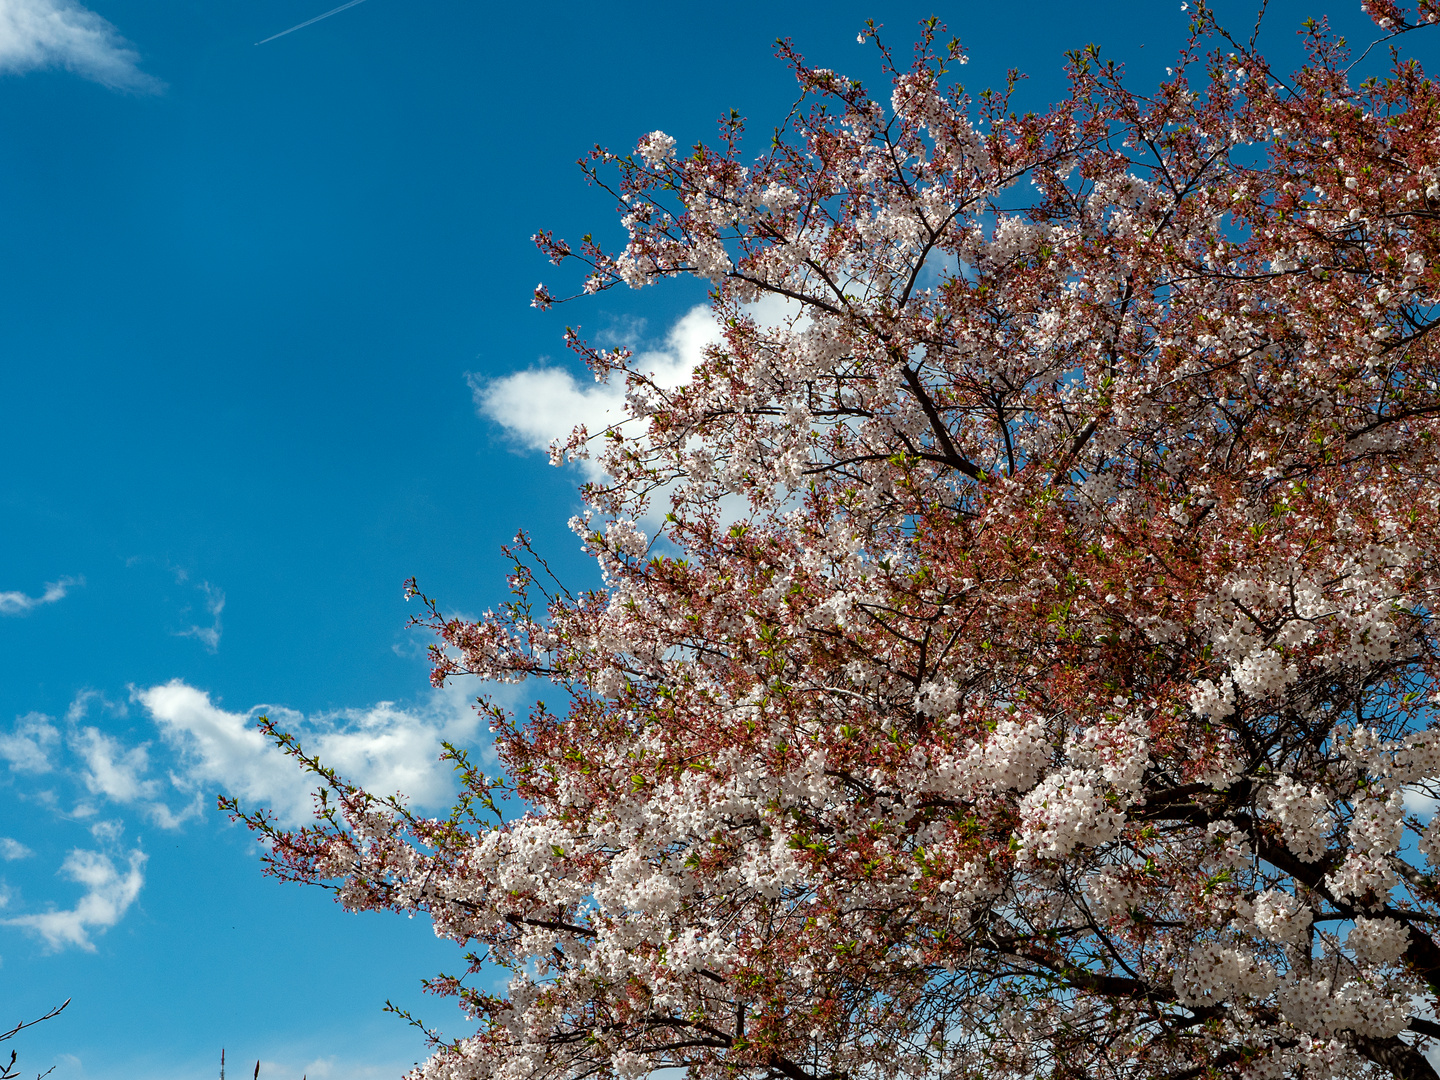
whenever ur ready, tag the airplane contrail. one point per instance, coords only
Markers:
(307, 22)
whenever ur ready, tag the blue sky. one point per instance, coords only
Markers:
(266, 350)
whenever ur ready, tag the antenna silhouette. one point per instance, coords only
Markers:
(222, 1065)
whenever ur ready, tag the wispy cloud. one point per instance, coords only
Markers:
(38, 34)
(19, 603)
(209, 636)
(118, 772)
(384, 748)
(109, 892)
(201, 748)
(10, 850)
(111, 769)
(30, 743)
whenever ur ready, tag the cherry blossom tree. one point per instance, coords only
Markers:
(1014, 658)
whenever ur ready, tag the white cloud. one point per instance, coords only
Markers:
(166, 818)
(19, 603)
(108, 893)
(1419, 801)
(37, 34)
(108, 831)
(385, 749)
(546, 403)
(80, 706)
(10, 850)
(117, 772)
(28, 746)
(543, 404)
(330, 1067)
(209, 636)
(112, 770)
(278, 1058)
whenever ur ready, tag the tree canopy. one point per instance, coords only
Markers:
(1015, 655)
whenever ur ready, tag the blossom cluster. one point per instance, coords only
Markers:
(1015, 651)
